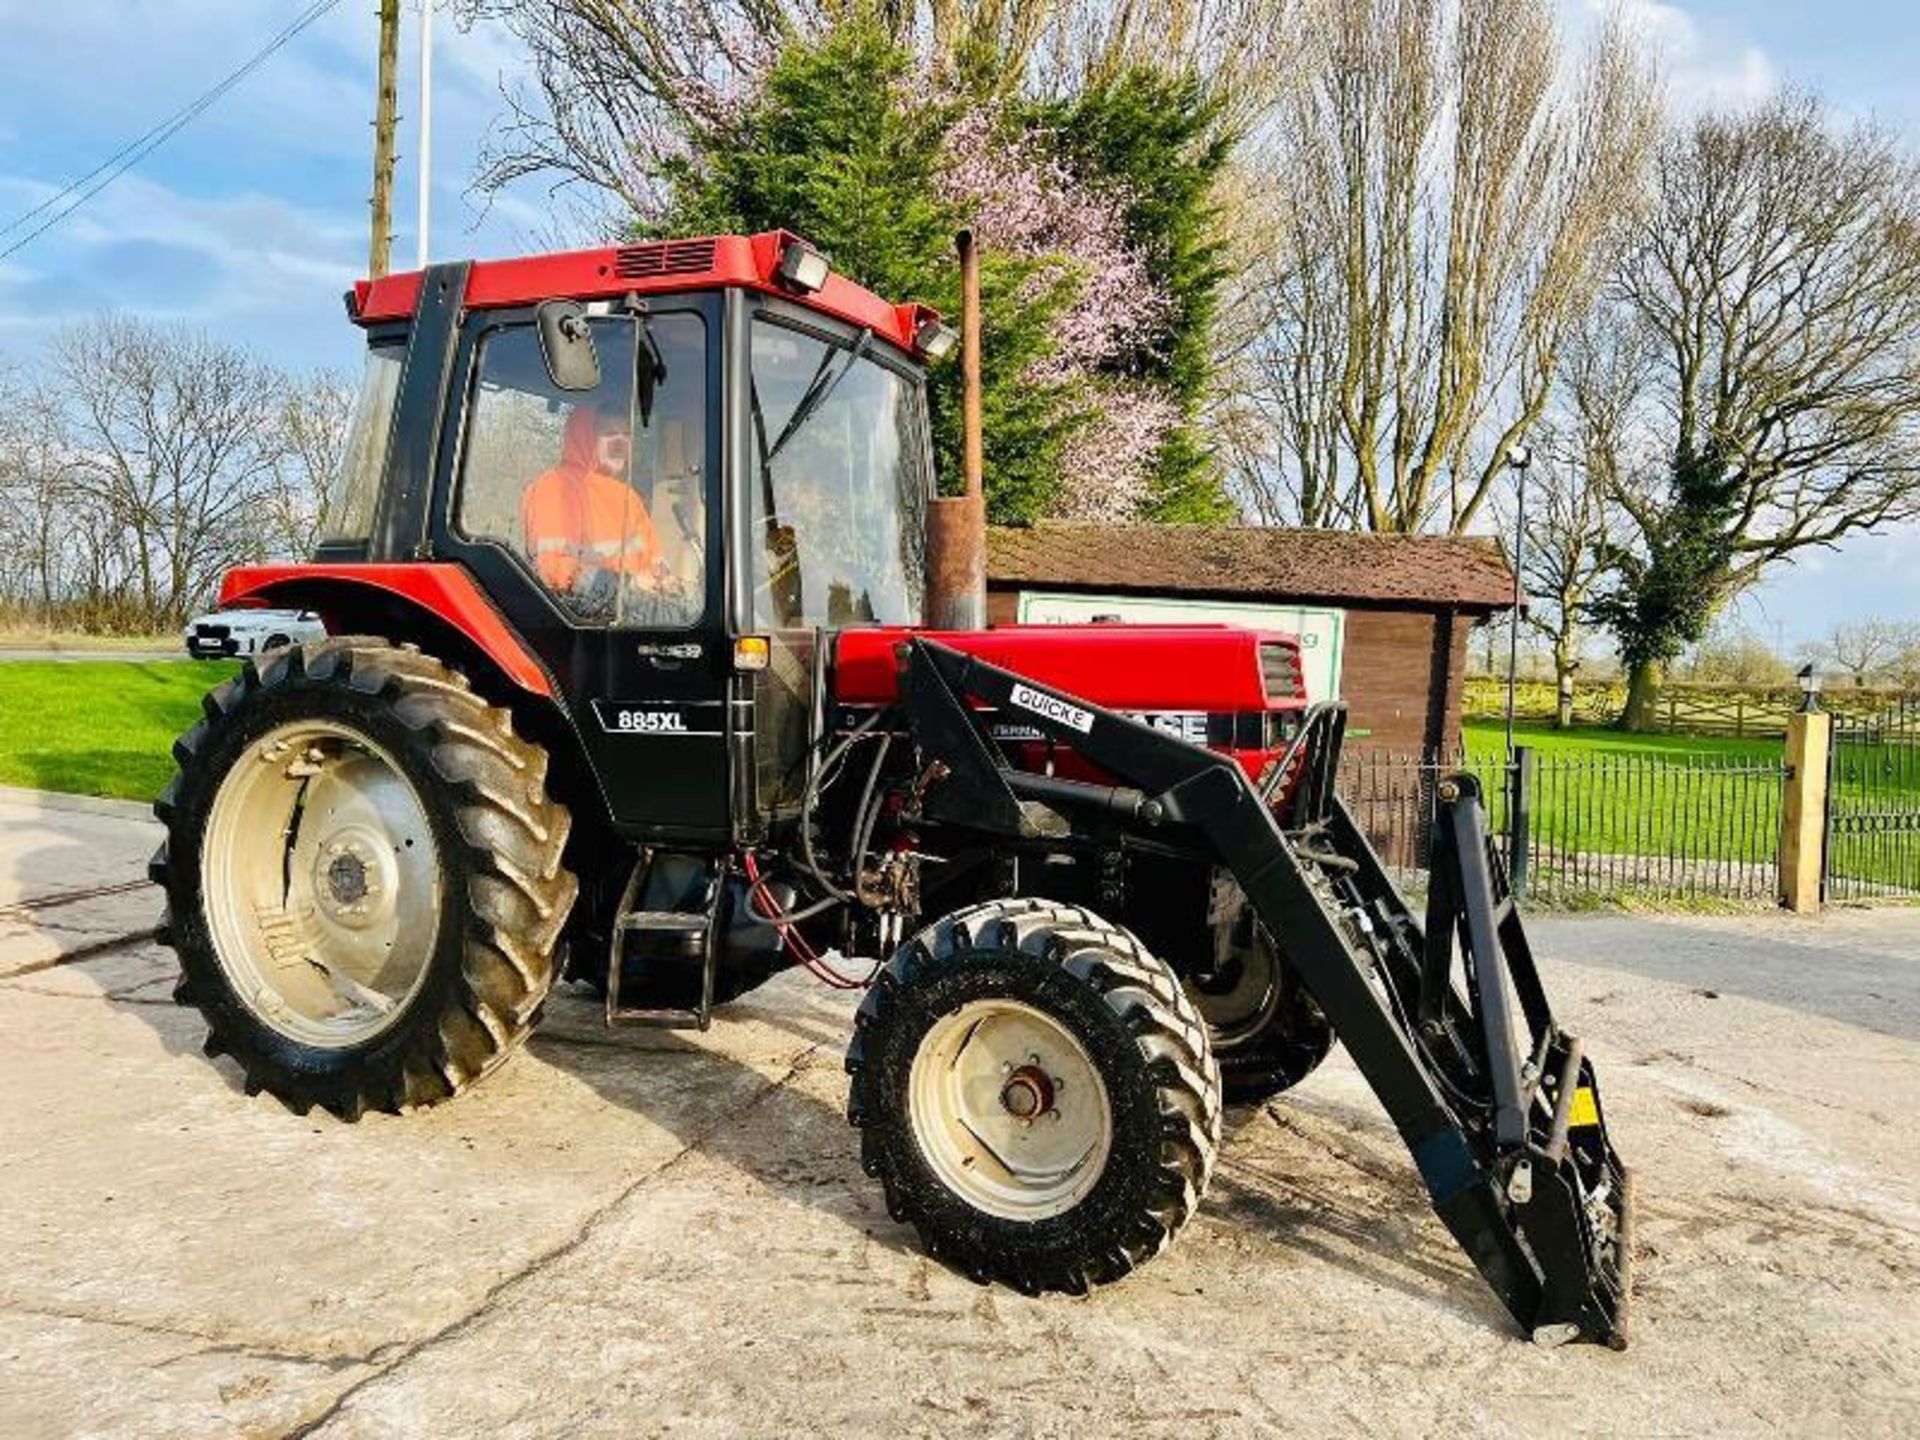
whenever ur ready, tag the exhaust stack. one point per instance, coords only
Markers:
(957, 524)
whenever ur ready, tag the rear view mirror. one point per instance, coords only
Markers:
(566, 343)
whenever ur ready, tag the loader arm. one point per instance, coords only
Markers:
(1497, 1104)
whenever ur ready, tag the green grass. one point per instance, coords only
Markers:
(1617, 814)
(1487, 739)
(1681, 797)
(98, 727)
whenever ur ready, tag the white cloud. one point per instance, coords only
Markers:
(1708, 65)
(253, 219)
(254, 268)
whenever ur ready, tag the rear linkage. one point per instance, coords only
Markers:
(1498, 1105)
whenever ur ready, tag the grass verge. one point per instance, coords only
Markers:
(98, 727)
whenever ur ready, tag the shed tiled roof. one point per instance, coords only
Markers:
(1251, 562)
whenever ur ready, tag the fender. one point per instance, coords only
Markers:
(443, 589)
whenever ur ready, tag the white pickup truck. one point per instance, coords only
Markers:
(224, 634)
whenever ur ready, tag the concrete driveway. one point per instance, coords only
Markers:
(637, 1232)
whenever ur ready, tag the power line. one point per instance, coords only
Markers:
(131, 154)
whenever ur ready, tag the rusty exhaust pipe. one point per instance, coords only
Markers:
(957, 524)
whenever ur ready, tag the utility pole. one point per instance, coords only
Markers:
(426, 126)
(380, 252)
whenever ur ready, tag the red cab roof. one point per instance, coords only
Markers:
(652, 267)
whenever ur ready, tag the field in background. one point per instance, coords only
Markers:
(1486, 739)
(28, 637)
(98, 727)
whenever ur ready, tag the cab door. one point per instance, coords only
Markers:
(587, 514)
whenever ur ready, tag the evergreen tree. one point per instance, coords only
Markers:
(830, 148)
(1159, 139)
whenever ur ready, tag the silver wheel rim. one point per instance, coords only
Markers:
(320, 882)
(1238, 1006)
(1009, 1110)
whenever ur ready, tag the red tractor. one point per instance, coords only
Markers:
(627, 684)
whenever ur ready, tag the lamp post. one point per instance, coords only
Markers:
(1809, 679)
(426, 130)
(1519, 457)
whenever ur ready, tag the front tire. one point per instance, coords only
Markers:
(363, 877)
(1036, 1094)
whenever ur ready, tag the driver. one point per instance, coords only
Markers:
(586, 531)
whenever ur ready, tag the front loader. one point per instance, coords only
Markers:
(627, 685)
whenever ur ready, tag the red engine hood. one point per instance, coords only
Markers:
(1212, 668)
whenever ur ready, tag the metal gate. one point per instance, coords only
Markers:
(1873, 805)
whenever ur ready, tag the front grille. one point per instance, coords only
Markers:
(666, 257)
(1280, 671)
(213, 632)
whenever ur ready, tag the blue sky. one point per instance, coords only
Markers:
(253, 220)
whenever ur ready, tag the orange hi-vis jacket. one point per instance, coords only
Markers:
(577, 517)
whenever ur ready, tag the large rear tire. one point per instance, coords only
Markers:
(363, 877)
(1036, 1094)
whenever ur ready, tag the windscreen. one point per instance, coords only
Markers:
(840, 483)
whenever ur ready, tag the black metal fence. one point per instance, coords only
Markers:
(1873, 805)
(1590, 828)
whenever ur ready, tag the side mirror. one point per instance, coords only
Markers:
(566, 344)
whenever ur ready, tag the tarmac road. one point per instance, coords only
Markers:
(636, 1232)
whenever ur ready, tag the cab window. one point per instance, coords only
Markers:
(346, 507)
(601, 493)
(839, 484)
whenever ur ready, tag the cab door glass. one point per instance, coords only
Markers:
(839, 484)
(601, 493)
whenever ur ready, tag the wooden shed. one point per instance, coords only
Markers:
(1383, 619)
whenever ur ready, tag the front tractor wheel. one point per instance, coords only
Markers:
(363, 877)
(1036, 1094)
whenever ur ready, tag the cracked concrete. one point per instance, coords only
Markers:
(641, 1232)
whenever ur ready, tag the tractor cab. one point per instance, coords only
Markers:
(670, 467)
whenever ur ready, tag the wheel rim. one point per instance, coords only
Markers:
(321, 884)
(1009, 1110)
(1239, 999)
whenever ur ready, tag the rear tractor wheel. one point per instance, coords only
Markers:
(363, 877)
(1267, 1032)
(1036, 1094)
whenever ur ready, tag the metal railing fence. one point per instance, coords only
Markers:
(1587, 828)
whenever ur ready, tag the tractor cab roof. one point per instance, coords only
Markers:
(654, 267)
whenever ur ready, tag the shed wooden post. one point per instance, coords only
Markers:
(1803, 810)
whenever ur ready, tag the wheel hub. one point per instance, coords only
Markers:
(1009, 1110)
(1241, 996)
(1028, 1093)
(312, 845)
(356, 876)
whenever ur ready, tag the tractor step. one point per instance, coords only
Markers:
(698, 930)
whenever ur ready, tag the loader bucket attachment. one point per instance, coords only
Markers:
(1445, 1016)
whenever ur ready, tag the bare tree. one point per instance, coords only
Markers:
(44, 518)
(1778, 274)
(1454, 188)
(310, 440)
(1868, 649)
(174, 436)
(1568, 528)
